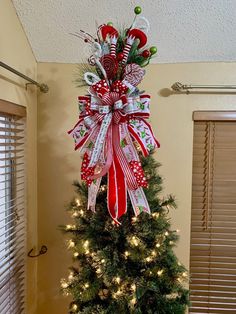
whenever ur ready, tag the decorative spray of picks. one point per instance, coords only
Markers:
(113, 116)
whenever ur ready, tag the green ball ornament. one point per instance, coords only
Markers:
(137, 10)
(153, 50)
(110, 23)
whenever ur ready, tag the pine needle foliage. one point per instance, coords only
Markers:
(129, 268)
(83, 68)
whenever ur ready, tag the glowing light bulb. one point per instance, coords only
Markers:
(171, 242)
(166, 233)
(133, 301)
(160, 272)
(68, 227)
(155, 215)
(71, 276)
(64, 284)
(74, 307)
(78, 202)
(135, 241)
(154, 253)
(117, 279)
(185, 274)
(134, 219)
(127, 253)
(133, 286)
(103, 188)
(177, 230)
(75, 214)
(103, 261)
(98, 271)
(86, 244)
(81, 212)
(86, 285)
(76, 254)
(158, 245)
(148, 259)
(71, 244)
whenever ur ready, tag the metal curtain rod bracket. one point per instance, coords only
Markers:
(179, 87)
(43, 87)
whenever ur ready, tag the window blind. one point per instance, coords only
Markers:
(12, 208)
(213, 223)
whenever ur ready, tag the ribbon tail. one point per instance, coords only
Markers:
(149, 127)
(124, 163)
(111, 192)
(117, 191)
(142, 132)
(121, 190)
(92, 193)
(139, 201)
(139, 141)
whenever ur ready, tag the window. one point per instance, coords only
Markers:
(213, 225)
(12, 208)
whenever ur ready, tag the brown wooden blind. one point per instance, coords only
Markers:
(213, 224)
(12, 208)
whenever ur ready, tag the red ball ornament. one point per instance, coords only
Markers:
(120, 56)
(146, 53)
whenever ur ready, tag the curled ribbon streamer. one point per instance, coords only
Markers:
(109, 122)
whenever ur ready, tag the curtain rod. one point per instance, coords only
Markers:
(179, 87)
(43, 87)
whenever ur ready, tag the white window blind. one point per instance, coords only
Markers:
(213, 225)
(12, 208)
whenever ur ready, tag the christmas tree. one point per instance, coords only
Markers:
(124, 263)
(127, 268)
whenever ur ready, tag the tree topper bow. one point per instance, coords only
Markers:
(112, 117)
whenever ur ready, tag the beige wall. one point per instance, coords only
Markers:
(58, 164)
(15, 51)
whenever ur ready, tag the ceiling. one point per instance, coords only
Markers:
(182, 30)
